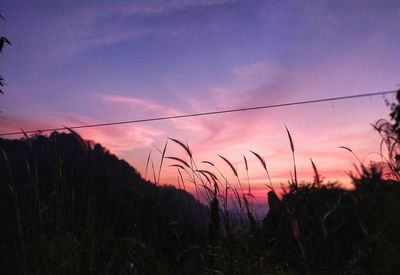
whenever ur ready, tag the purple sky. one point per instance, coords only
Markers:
(77, 62)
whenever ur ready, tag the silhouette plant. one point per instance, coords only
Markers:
(3, 41)
(74, 208)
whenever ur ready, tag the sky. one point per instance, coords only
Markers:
(84, 62)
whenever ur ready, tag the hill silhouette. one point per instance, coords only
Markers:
(62, 194)
(68, 206)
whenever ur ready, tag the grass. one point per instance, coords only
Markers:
(80, 219)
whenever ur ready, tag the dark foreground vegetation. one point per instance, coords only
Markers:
(70, 207)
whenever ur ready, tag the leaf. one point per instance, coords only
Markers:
(214, 177)
(184, 146)
(6, 41)
(294, 160)
(351, 151)
(265, 168)
(183, 182)
(208, 162)
(207, 188)
(346, 148)
(264, 165)
(162, 160)
(317, 179)
(4, 154)
(177, 165)
(179, 160)
(230, 165)
(147, 165)
(3, 41)
(290, 139)
(245, 163)
(154, 173)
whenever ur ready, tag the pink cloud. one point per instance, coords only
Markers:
(138, 104)
(117, 139)
(317, 130)
(254, 85)
(9, 123)
(144, 108)
(120, 140)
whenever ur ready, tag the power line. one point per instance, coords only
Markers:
(204, 113)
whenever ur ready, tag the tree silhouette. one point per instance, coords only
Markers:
(62, 196)
(395, 115)
(3, 41)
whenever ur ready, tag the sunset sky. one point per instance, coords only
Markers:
(84, 62)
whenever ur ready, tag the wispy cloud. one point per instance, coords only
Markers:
(122, 140)
(80, 40)
(205, 133)
(12, 123)
(139, 108)
(138, 104)
(110, 24)
(118, 140)
(159, 8)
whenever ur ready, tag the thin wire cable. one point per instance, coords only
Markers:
(203, 114)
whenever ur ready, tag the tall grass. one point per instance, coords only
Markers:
(305, 231)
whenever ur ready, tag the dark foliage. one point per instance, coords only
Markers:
(324, 229)
(68, 206)
(329, 230)
(3, 41)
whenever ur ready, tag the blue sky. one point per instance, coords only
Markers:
(76, 62)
